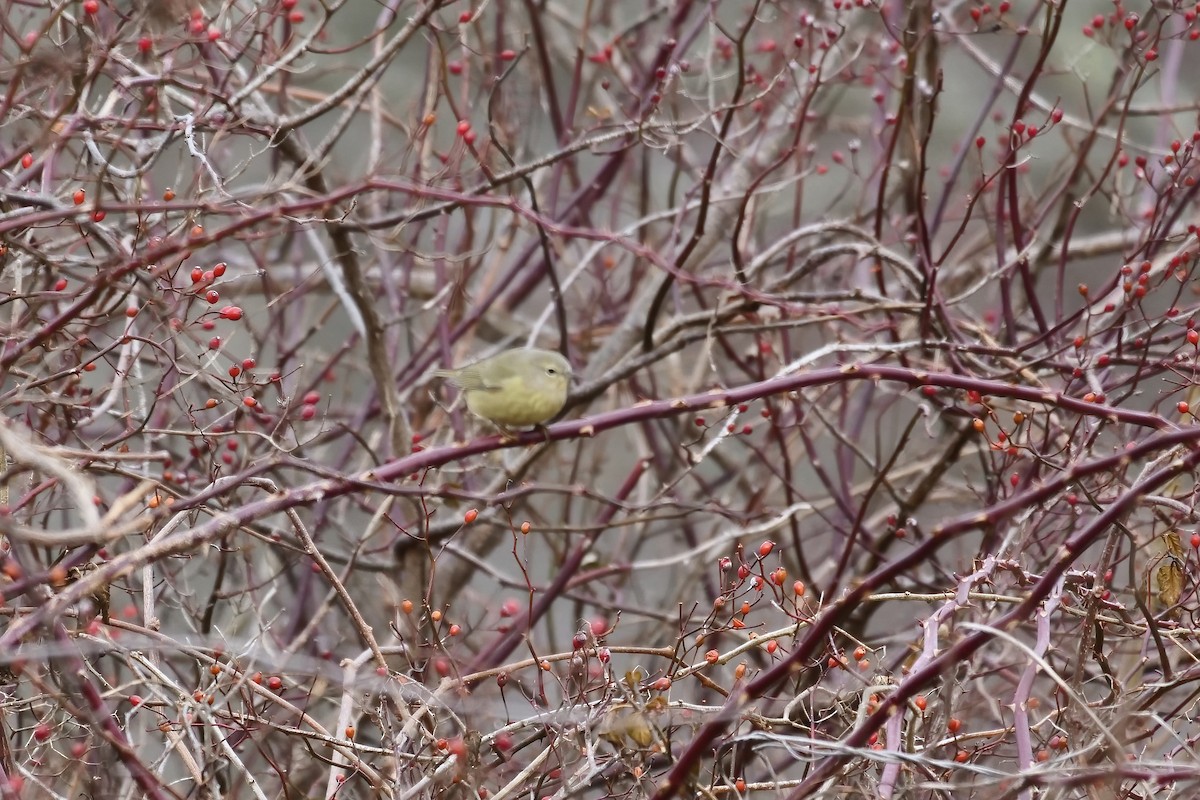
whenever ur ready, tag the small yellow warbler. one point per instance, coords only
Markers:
(515, 388)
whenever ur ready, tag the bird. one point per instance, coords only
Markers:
(515, 388)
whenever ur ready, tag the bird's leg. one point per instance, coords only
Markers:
(507, 434)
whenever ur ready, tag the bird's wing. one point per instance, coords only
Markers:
(468, 378)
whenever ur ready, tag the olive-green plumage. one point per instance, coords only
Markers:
(515, 388)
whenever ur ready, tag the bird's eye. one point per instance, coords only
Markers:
(551, 371)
